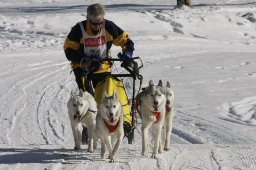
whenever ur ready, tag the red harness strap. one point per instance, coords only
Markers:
(157, 114)
(111, 128)
(168, 109)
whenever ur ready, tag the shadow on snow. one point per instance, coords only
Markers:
(19, 155)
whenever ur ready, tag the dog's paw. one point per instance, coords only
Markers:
(167, 148)
(90, 150)
(76, 148)
(154, 156)
(102, 156)
(144, 153)
(112, 161)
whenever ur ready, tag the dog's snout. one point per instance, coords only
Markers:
(111, 114)
(168, 102)
(155, 102)
(78, 113)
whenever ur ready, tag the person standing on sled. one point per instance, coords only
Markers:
(93, 38)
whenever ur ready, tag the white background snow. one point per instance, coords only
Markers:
(207, 53)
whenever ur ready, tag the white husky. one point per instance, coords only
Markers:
(152, 108)
(110, 125)
(82, 110)
(169, 94)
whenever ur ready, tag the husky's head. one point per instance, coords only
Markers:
(154, 96)
(110, 108)
(77, 105)
(169, 94)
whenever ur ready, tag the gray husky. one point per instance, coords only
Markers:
(110, 125)
(152, 108)
(82, 110)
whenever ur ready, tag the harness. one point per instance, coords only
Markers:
(157, 114)
(111, 128)
(79, 117)
(167, 108)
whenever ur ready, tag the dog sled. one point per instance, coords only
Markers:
(114, 82)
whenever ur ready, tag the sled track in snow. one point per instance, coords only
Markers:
(186, 136)
(45, 111)
(196, 130)
(26, 91)
(47, 115)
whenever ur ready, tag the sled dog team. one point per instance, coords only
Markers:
(154, 105)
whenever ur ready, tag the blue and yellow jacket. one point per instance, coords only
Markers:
(74, 45)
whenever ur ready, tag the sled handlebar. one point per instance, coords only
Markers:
(134, 71)
(84, 59)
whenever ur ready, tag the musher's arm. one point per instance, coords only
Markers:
(119, 37)
(72, 45)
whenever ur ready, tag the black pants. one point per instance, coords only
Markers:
(95, 79)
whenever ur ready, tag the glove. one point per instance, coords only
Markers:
(127, 55)
(96, 62)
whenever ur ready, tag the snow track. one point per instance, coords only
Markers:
(33, 96)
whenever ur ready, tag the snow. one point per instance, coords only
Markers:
(207, 53)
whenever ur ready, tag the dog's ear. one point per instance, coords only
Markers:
(168, 84)
(115, 95)
(81, 92)
(73, 93)
(162, 90)
(160, 83)
(105, 94)
(151, 83)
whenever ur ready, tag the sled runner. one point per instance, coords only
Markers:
(114, 82)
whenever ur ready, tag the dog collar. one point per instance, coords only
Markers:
(111, 128)
(157, 114)
(167, 108)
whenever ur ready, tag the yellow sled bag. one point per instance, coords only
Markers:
(111, 84)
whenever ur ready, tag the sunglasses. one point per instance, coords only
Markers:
(96, 23)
